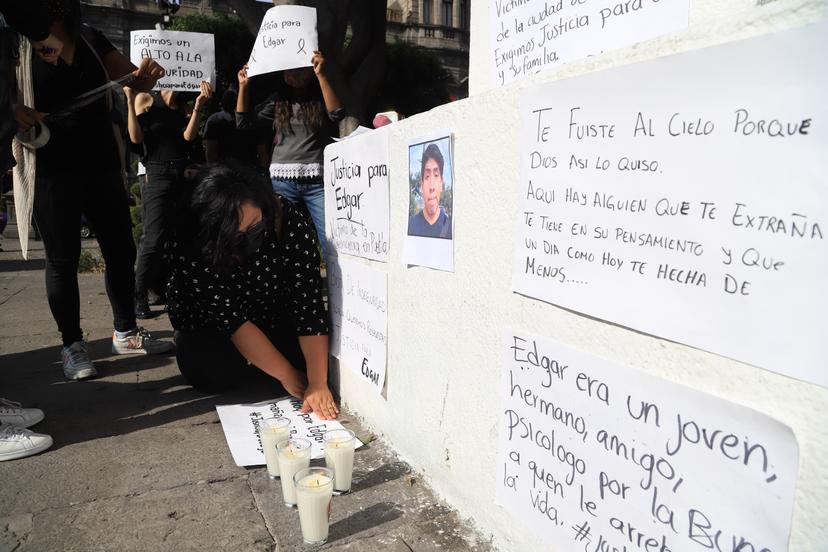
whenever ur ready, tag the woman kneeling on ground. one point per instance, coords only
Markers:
(245, 287)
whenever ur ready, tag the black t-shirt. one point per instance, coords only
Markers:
(83, 139)
(164, 132)
(233, 144)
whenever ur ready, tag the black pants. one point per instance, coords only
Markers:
(210, 362)
(99, 194)
(158, 202)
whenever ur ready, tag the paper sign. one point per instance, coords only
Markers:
(187, 58)
(429, 239)
(598, 457)
(356, 196)
(691, 204)
(358, 297)
(240, 423)
(531, 36)
(287, 39)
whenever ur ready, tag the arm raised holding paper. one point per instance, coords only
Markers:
(302, 113)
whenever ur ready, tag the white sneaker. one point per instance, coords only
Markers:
(76, 363)
(13, 413)
(139, 342)
(17, 442)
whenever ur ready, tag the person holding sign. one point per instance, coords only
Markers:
(79, 171)
(302, 111)
(166, 127)
(246, 288)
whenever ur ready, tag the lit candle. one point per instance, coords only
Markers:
(339, 455)
(314, 491)
(294, 456)
(271, 432)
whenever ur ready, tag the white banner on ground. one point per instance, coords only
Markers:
(187, 58)
(240, 423)
(693, 205)
(358, 296)
(287, 39)
(530, 36)
(356, 196)
(598, 457)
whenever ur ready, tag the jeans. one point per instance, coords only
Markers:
(158, 198)
(210, 362)
(312, 193)
(99, 194)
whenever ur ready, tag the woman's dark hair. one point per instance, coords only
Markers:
(432, 152)
(311, 106)
(212, 225)
(66, 11)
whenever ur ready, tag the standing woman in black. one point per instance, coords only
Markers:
(165, 126)
(78, 172)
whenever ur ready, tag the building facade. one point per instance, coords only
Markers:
(441, 26)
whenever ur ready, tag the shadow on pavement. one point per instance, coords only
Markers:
(131, 393)
(370, 517)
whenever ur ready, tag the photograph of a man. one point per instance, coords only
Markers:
(432, 187)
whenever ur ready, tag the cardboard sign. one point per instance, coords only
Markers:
(187, 58)
(287, 39)
(240, 423)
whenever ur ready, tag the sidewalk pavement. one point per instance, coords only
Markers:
(140, 461)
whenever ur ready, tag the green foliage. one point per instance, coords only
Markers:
(89, 262)
(233, 42)
(135, 213)
(415, 80)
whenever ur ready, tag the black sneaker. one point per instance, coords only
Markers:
(142, 309)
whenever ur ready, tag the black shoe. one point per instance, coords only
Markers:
(142, 310)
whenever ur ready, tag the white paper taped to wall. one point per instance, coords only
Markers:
(530, 36)
(685, 197)
(359, 318)
(600, 457)
(356, 196)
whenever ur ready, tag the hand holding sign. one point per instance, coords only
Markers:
(285, 40)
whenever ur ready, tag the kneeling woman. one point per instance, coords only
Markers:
(245, 287)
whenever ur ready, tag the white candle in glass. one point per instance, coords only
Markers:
(271, 432)
(339, 455)
(314, 491)
(294, 455)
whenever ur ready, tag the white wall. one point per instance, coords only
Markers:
(444, 334)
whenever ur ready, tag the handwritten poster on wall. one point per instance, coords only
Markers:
(531, 36)
(356, 196)
(358, 296)
(240, 423)
(598, 457)
(685, 197)
(187, 58)
(287, 39)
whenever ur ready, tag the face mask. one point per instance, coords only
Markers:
(249, 241)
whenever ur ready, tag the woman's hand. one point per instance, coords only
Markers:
(147, 75)
(244, 80)
(204, 97)
(294, 383)
(319, 400)
(26, 117)
(318, 62)
(49, 49)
